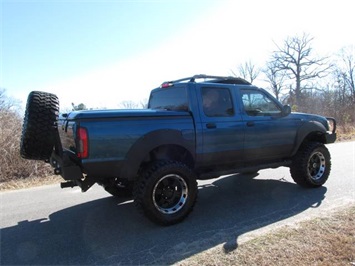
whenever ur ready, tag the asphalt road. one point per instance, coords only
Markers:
(48, 225)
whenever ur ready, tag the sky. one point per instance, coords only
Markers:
(102, 53)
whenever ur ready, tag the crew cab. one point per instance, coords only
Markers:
(198, 127)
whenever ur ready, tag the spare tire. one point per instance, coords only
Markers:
(39, 126)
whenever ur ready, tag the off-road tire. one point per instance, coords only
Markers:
(311, 165)
(39, 126)
(166, 192)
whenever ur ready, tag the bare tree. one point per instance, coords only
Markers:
(2, 99)
(128, 105)
(12, 166)
(344, 72)
(343, 86)
(78, 107)
(275, 78)
(295, 58)
(144, 103)
(7, 103)
(248, 71)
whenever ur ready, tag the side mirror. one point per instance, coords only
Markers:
(286, 110)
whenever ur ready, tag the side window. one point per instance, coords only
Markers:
(173, 99)
(259, 104)
(217, 102)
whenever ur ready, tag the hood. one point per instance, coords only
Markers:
(311, 117)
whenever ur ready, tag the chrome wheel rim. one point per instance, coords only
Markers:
(316, 166)
(170, 194)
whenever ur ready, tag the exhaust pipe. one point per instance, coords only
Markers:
(68, 184)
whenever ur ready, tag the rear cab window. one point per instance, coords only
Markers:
(171, 99)
(217, 102)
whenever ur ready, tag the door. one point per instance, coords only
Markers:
(221, 126)
(268, 135)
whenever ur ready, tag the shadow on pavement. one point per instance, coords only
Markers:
(109, 231)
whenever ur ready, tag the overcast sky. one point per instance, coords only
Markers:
(101, 53)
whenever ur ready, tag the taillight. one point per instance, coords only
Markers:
(83, 145)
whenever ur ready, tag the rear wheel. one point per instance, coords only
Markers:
(311, 165)
(166, 192)
(39, 126)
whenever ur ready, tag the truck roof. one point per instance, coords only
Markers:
(207, 78)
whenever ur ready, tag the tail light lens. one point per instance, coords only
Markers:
(83, 143)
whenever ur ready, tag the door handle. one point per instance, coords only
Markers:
(250, 123)
(211, 125)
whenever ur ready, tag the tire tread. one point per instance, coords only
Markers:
(143, 182)
(298, 168)
(39, 126)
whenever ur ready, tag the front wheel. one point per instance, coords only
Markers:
(311, 165)
(166, 192)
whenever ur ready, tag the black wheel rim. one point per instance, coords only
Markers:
(316, 166)
(170, 194)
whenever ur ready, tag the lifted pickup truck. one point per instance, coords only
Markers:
(198, 127)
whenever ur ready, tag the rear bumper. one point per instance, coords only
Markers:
(66, 166)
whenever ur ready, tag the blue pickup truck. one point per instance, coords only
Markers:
(198, 127)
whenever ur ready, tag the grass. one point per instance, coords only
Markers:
(326, 240)
(28, 182)
(345, 133)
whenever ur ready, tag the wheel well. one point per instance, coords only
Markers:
(315, 136)
(171, 152)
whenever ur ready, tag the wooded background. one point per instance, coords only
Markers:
(295, 74)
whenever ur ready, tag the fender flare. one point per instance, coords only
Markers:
(151, 141)
(309, 128)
